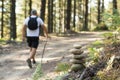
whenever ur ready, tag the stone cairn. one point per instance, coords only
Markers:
(78, 59)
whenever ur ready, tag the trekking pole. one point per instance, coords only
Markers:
(44, 50)
(38, 72)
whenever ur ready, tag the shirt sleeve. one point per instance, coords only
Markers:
(26, 21)
(40, 21)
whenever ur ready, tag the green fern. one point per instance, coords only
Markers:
(38, 72)
(62, 67)
(93, 54)
(97, 43)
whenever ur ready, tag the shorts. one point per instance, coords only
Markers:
(33, 42)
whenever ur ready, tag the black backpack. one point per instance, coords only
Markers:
(32, 23)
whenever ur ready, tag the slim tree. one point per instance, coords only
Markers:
(49, 11)
(30, 6)
(115, 11)
(2, 19)
(42, 14)
(85, 25)
(13, 20)
(102, 9)
(80, 13)
(74, 13)
(65, 15)
(25, 10)
(50, 16)
(42, 11)
(99, 12)
(68, 14)
(60, 13)
(115, 7)
(62, 16)
(103, 6)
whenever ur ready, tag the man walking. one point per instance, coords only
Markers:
(31, 30)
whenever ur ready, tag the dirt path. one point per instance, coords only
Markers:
(14, 67)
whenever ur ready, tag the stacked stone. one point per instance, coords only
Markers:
(78, 59)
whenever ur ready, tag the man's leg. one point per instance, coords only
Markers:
(32, 53)
(31, 56)
(34, 48)
(33, 44)
(34, 61)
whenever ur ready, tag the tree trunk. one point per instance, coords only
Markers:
(85, 25)
(80, 14)
(99, 19)
(42, 11)
(2, 20)
(30, 6)
(13, 20)
(65, 15)
(103, 6)
(115, 11)
(54, 18)
(60, 14)
(50, 16)
(25, 10)
(74, 14)
(68, 14)
(42, 14)
(115, 7)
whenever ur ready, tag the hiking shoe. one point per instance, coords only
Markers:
(29, 63)
(34, 62)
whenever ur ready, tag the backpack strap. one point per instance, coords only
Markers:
(36, 19)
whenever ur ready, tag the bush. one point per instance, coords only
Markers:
(101, 27)
(62, 67)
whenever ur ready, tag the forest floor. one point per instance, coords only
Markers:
(13, 57)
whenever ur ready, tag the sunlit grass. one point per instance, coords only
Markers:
(2, 41)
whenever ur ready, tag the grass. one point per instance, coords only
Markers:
(2, 41)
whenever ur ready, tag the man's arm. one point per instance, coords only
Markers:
(23, 32)
(45, 30)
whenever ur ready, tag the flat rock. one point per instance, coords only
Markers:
(76, 51)
(80, 57)
(74, 61)
(77, 67)
(77, 46)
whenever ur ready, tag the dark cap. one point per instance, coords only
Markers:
(33, 12)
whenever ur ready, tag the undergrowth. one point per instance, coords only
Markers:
(38, 72)
(97, 52)
(109, 47)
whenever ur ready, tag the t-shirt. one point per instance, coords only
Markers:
(33, 33)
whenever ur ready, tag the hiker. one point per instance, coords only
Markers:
(31, 31)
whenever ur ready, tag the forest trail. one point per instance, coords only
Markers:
(13, 64)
